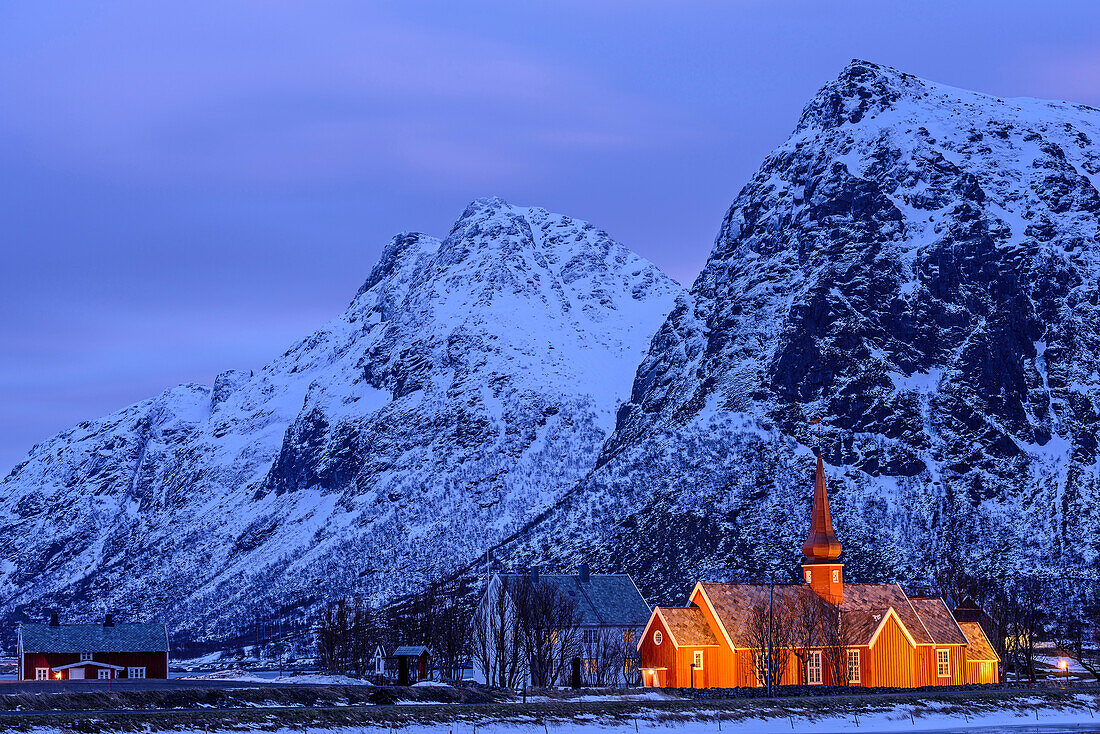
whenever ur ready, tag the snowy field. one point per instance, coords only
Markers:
(1020, 715)
(245, 676)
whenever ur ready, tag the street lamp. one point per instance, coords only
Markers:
(1064, 665)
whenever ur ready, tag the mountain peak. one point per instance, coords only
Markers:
(861, 89)
(469, 385)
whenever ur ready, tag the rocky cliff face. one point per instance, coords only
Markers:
(469, 384)
(919, 267)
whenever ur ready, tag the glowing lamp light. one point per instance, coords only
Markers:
(1063, 664)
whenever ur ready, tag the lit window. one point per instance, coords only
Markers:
(589, 667)
(41, 673)
(104, 673)
(698, 659)
(658, 638)
(135, 672)
(813, 668)
(836, 575)
(630, 666)
(853, 666)
(809, 576)
(84, 656)
(943, 663)
(630, 637)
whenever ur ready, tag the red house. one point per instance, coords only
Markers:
(105, 651)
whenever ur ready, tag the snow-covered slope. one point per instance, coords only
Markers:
(469, 384)
(918, 266)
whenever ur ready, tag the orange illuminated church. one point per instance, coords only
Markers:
(823, 631)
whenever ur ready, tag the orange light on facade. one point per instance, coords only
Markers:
(57, 676)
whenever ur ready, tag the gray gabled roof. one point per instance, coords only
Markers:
(410, 651)
(606, 599)
(132, 637)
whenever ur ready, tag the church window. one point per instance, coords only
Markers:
(943, 663)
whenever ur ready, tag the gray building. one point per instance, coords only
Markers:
(610, 613)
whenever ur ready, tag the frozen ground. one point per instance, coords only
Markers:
(1077, 714)
(273, 677)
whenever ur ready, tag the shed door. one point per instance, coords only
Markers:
(76, 673)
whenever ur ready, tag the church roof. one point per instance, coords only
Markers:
(939, 622)
(927, 621)
(688, 626)
(733, 605)
(978, 647)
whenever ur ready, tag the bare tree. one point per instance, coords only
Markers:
(602, 651)
(496, 639)
(345, 634)
(770, 635)
(837, 637)
(549, 626)
(451, 637)
(632, 674)
(1070, 620)
(805, 627)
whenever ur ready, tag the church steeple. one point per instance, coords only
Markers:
(821, 544)
(819, 567)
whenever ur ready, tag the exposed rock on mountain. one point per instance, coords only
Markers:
(469, 384)
(918, 266)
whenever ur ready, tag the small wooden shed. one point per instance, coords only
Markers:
(413, 664)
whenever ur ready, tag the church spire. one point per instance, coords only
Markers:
(821, 545)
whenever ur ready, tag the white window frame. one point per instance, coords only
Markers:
(137, 671)
(836, 575)
(809, 576)
(105, 674)
(41, 673)
(658, 638)
(853, 666)
(85, 657)
(698, 659)
(814, 669)
(758, 665)
(943, 663)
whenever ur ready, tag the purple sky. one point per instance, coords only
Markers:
(186, 188)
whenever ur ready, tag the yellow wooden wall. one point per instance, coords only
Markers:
(981, 672)
(925, 666)
(892, 658)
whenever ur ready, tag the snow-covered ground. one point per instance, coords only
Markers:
(1076, 718)
(1031, 715)
(273, 677)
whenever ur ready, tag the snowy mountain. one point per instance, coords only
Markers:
(918, 266)
(470, 383)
